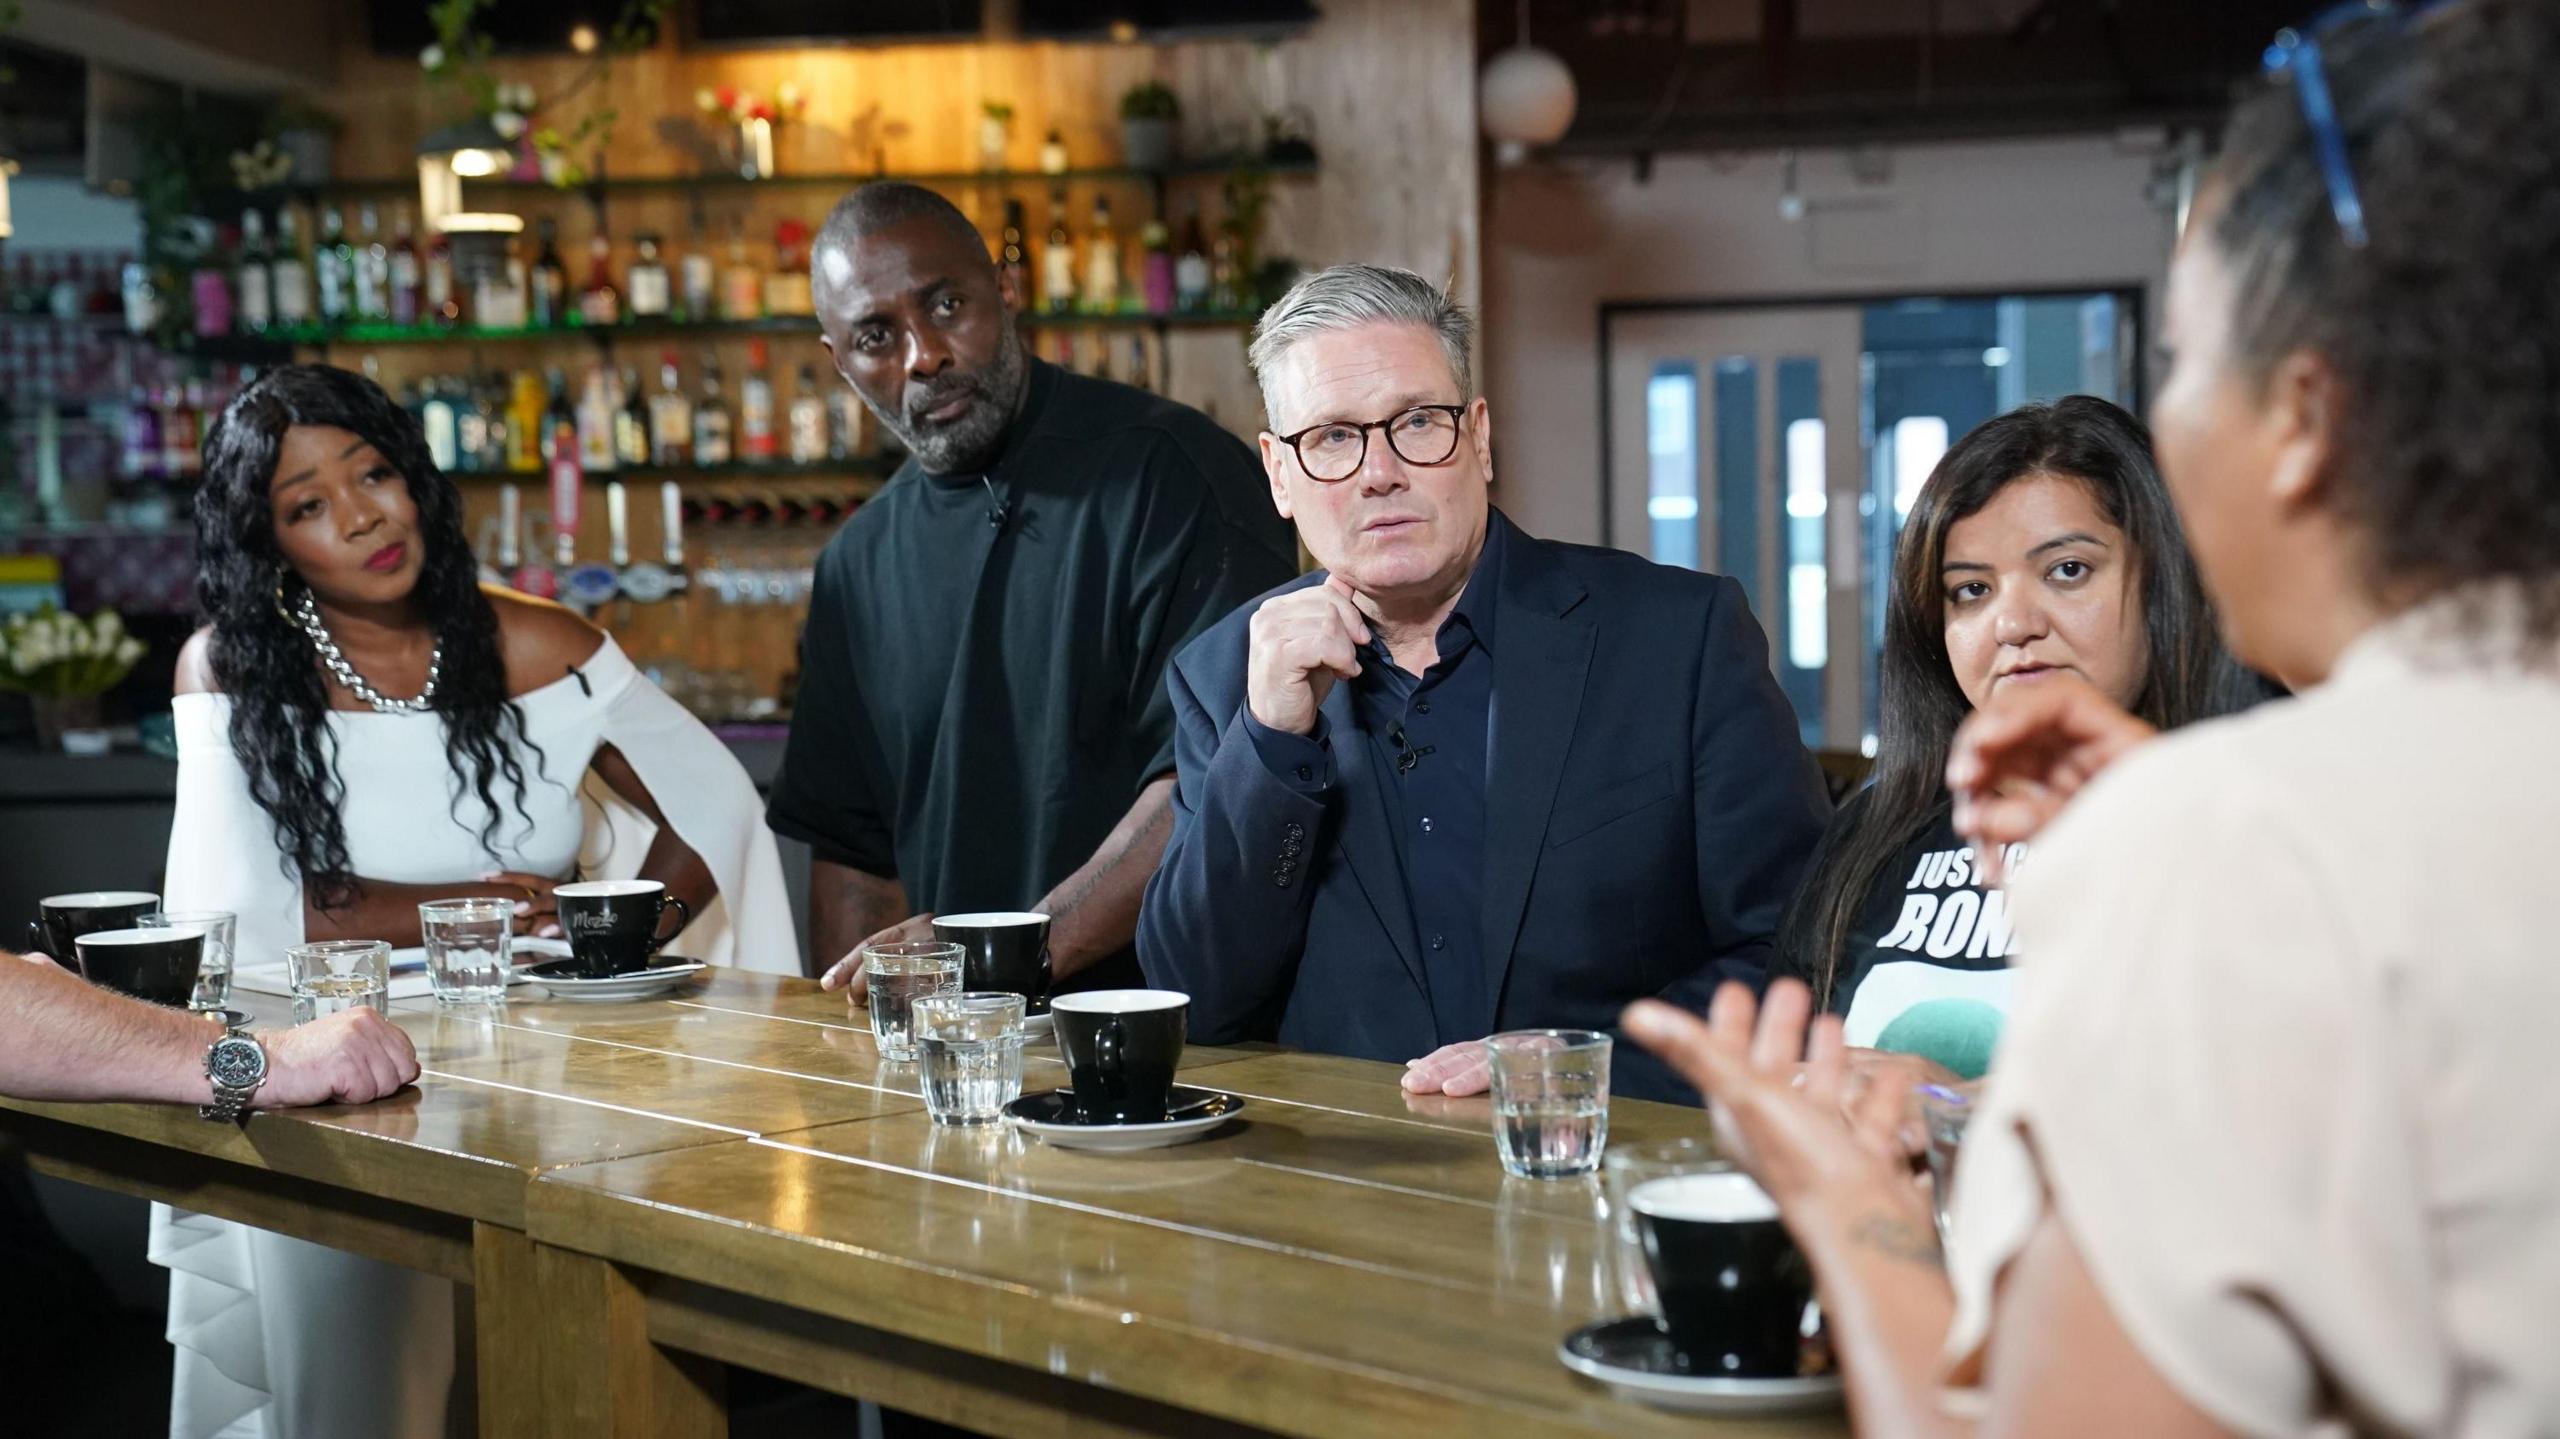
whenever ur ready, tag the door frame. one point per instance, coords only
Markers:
(2138, 311)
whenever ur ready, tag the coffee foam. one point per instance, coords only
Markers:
(1726, 1196)
(607, 888)
(98, 898)
(1119, 1001)
(138, 936)
(989, 920)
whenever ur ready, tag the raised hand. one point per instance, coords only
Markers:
(1301, 644)
(2019, 759)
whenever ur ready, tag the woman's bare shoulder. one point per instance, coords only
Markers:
(539, 640)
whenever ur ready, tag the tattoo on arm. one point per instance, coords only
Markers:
(1897, 1238)
(1113, 861)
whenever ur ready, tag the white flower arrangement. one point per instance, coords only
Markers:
(62, 656)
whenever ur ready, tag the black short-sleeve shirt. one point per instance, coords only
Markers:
(982, 674)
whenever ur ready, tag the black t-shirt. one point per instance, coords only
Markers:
(982, 674)
(1924, 967)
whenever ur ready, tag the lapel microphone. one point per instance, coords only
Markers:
(1406, 755)
(998, 509)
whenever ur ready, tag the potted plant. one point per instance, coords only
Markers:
(1148, 114)
(63, 663)
(995, 134)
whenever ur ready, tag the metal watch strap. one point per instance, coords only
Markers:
(229, 1101)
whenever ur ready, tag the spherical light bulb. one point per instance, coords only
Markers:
(1526, 98)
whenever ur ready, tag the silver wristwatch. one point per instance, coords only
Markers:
(237, 1065)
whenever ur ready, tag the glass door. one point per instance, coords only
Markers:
(1738, 445)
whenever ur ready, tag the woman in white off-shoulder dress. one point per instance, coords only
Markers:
(362, 727)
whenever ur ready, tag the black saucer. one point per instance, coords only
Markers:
(1058, 1106)
(1637, 1358)
(573, 969)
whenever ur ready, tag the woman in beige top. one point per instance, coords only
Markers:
(2269, 1147)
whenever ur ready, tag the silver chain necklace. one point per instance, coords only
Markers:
(307, 614)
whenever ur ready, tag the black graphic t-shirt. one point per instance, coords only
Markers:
(1924, 967)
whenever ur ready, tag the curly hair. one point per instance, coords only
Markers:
(263, 661)
(2187, 674)
(2444, 329)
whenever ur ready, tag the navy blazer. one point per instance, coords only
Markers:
(1648, 812)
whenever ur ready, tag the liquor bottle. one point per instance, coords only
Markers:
(701, 283)
(291, 274)
(808, 419)
(497, 450)
(1101, 262)
(712, 428)
(599, 303)
(755, 407)
(407, 276)
(1013, 260)
(177, 433)
(1156, 282)
(1053, 153)
(524, 425)
(253, 283)
(670, 417)
(549, 299)
(499, 302)
(559, 418)
(1191, 265)
(210, 287)
(647, 283)
(373, 269)
(471, 426)
(847, 424)
(439, 299)
(631, 423)
(1058, 260)
(786, 289)
(142, 434)
(741, 288)
(442, 425)
(599, 404)
(333, 264)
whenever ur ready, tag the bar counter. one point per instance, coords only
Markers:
(639, 1193)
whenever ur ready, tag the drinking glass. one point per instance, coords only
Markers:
(969, 1055)
(468, 948)
(1550, 1101)
(338, 974)
(220, 928)
(1947, 1111)
(899, 974)
(1622, 1169)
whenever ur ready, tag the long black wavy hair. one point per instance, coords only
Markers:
(2187, 675)
(264, 662)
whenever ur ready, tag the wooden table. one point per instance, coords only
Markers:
(637, 1194)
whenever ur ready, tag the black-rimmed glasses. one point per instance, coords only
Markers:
(2296, 52)
(1334, 451)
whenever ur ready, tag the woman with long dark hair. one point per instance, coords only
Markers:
(2270, 1148)
(2042, 546)
(363, 727)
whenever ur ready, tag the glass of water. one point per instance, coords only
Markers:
(969, 1054)
(220, 927)
(1947, 1111)
(898, 975)
(467, 948)
(1550, 1101)
(338, 974)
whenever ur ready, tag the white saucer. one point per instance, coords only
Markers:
(663, 976)
(1633, 1356)
(1043, 1117)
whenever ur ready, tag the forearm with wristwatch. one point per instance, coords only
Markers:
(235, 1065)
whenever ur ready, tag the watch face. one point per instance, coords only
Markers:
(237, 1063)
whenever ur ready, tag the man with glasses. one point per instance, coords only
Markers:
(1463, 780)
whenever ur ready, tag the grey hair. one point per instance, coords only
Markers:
(1345, 297)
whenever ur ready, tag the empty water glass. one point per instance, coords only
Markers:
(468, 943)
(1550, 1100)
(969, 1055)
(338, 974)
(1947, 1112)
(219, 928)
(898, 975)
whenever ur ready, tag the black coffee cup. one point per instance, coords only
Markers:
(1733, 1285)
(69, 916)
(158, 965)
(1121, 1046)
(1004, 950)
(612, 924)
